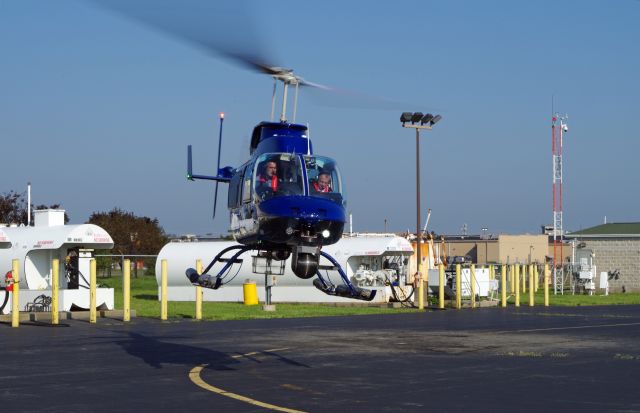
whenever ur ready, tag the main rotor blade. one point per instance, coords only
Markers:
(223, 28)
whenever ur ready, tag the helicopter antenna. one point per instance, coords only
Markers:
(273, 98)
(295, 103)
(215, 197)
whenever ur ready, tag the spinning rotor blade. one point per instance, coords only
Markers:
(223, 28)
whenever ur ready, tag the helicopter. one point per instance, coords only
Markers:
(285, 200)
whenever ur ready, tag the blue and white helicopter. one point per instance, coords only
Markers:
(284, 201)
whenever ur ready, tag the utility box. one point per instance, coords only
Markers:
(48, 217)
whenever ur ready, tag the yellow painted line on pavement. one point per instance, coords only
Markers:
(194, 375)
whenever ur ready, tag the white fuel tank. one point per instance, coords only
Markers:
(369, 261)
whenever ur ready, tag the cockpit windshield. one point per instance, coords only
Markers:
(278, 174)
(324, 178)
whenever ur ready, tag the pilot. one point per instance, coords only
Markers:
(323, 183)
(269, 178)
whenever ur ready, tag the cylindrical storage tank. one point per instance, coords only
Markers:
(353, 254)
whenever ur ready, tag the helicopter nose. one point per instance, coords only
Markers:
(304, 208)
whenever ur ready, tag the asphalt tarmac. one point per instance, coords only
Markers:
(583, 359)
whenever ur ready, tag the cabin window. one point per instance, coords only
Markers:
(324, 178)
(234, 188)
(278, 174)
(246, 185)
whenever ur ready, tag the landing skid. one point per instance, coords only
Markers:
(347, 289)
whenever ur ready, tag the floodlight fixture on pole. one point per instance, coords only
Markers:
(418, 121)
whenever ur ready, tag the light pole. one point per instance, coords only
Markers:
(418, 121)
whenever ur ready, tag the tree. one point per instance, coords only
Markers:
(13, 208)
(132, 235)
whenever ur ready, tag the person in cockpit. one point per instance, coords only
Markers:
(268, 179)
(323, 183)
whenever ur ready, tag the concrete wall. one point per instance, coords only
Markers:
(617, 253)
(523, 248)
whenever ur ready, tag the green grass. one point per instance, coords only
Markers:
(569, 300)
(144, 300)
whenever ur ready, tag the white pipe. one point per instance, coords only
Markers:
(28, 204)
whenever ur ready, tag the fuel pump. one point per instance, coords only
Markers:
(71, 268)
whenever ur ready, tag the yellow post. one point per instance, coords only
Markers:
(511, 278)
(532, 286)
(524, 278)
(458, 288)
(517, 284)
(537, 276)
(163, 290)
(492, 274)
(441, 286)
(472, 280)
(55, 287)
(199, 292)
(546, 285)
(15, 295)
(126, 291)
(503, 286)
(92, 291)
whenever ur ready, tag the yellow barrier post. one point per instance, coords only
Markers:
(546, 285)
(441, 286)
(532, 287)
(511, 278)
(55, 287)
(492, 274)
(472, 279)
(524, 278)
(537, 276)
(199, 292)
(458, 288)
(503, 286)
(163, 290)
(126, 291)
(517, 284)
(92, 291)
(15, 295)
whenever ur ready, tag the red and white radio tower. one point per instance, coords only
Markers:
(558, 231)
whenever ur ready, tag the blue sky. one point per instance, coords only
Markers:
(96, 110)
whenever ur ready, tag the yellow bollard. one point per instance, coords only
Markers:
(511, 278)
(537, 277)
(55, 287)
(163, 290)
(15, 295)
(532, 287)
(472, 281)
(92, 291)
(458, 288)
(199, 292)
(546, 285)
(524, 278)
(441, 286)
(492, 274)
(250, 293)
(126, 291)
(517, 284)
(503, 286)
